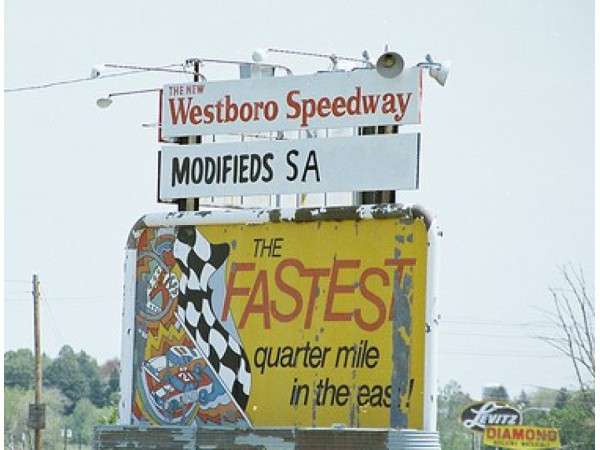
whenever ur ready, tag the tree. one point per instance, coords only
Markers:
(19, 369)
(451, 403)
(574, 316)
(575, 421)
(77, 376)
(16, 412)
(82, 421)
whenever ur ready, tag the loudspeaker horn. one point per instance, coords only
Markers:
(390, 65)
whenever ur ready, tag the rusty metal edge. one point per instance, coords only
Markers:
(227, 215)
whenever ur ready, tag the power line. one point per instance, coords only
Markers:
(52, 319)
(493, 335)
(495, 355)
(83, 80)
(498, 322)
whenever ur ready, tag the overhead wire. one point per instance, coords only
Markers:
(137, 70)
(43, 297)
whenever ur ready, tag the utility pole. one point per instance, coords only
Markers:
(38, 363)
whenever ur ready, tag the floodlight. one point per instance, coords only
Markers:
(97, 70)
(437, 71)
(259, 55)
(104, 102)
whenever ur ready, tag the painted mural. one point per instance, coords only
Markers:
(189, 367)
(304, 324)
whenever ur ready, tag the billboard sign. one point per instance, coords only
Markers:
(518, 436)
(323, 100)
(363, 163)
(479, 415)
(297, 318)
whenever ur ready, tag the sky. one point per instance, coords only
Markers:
(507, 164)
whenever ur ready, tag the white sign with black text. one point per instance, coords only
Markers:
(323, 100)
(360, 163)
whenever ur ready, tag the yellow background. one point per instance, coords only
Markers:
(317, 244)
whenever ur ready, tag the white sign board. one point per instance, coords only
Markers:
(324, 100)
(361, 163)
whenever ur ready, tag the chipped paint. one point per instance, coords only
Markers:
(402, 331)
(340, 221)
(111, 437)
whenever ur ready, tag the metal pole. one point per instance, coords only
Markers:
(191, 204)
(376, 197)
(38, 355)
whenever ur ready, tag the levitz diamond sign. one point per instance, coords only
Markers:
(478, 416)
(324, 100)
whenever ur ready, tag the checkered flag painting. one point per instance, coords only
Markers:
(198, 260)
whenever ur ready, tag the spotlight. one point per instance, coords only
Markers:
(104, 102)
(438, 71)
(97, 70)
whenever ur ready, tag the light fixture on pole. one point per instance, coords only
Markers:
(437, 71)
(105, 102)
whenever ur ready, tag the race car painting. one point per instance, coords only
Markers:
(178, 382)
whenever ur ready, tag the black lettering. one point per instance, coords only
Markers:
(292, 165)
(267, 159)
(243, 168)
(226, 166)
(180, 173)
(311, 164)
(197, 170)
(210, 170)
(255, 165)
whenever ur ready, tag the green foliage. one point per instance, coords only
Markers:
(16, 411)
(77, 376)
(19, 369)
(82, 421)
(78, 394)
(109, 415)
(451, 403)
(495, 392)
(575, 421)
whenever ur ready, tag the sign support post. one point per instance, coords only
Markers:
(190, 204)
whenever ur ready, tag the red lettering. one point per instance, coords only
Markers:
(261, 284)
(196, 115)
(293, 104)
(271, 110)
(233, 290)
(338, 108)
(231, 110)
(324, 107)
(371, 297)
(287, 289)
(314, 291)
(335, 288)
(182, 112)
(308, 111)
(400, 264)
(370, 103)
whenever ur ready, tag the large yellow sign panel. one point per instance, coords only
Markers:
(304, 323)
